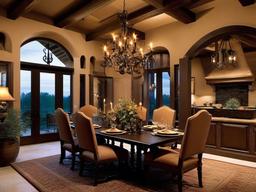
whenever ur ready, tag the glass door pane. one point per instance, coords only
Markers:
(47, 103)
(25, 102)
(166, 88)
(67, 93)
(152, 93)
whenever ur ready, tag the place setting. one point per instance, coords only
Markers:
(113, 131)
(167, 132)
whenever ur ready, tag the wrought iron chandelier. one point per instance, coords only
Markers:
(123, 53)
(223, 55)
(47, 54)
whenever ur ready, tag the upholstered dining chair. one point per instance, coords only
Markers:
(164, 115)
(88, 110)
(192, 147)
(142, 113)
(91, 151)
(67, 141)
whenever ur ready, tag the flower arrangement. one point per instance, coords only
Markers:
(232, 103)
(124, 116)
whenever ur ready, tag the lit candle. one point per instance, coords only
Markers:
(134, 36)
(140, 104)
(131, 42)
(104, 105)
(151, 46)
(111, 106)
(141, 51)
(105, 48)
(120, 44)
(114, 37)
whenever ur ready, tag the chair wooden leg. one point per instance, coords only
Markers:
(62, 152)
(180, 175)
(73, 160)
(199, 170)
(81, 167)
(95, 174)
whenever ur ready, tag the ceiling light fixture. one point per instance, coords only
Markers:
(223, 55)
(123, 53)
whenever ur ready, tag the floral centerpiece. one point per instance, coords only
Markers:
(124, 116)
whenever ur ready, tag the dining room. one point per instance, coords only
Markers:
(127, 95)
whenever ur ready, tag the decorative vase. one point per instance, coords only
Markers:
(9, 149)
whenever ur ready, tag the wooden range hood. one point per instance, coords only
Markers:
(241, 72)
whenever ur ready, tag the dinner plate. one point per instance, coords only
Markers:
(96, 126)
(166, 135)
(113, 130)
(167, 132)
(150, 127)
(113, 133)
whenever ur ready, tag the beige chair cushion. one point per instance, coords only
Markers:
(164, 115)
(105, 153)
(68, 146)
(169, 160)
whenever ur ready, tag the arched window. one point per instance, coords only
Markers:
(45, 51)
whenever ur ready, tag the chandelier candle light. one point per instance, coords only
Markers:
(223, 54)
(123, 54)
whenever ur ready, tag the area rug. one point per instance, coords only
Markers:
(47, 175)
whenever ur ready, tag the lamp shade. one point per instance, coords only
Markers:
(5, 95)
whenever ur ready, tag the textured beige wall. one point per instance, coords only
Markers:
(203, 92)
(178, 38)
(251, 60)
(23, 29)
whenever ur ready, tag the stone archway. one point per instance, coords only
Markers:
(185, 65)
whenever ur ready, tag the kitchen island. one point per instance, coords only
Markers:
(232, 133)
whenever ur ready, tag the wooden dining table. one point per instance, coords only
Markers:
(143, 141)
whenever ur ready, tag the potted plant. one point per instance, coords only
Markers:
(9, 137)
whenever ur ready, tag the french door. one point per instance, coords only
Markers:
(159, 89)
(43, 89)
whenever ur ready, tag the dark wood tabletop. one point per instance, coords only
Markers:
(144, 138)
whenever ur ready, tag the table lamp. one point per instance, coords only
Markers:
(5, 96)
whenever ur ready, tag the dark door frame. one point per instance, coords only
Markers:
(185, 65)
(35, 106)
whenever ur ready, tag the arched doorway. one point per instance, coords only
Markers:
(45, 84)
(185, 64)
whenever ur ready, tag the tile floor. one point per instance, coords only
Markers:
(11, 181)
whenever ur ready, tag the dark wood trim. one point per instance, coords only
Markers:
(246, 2)
(17, 8)
(82, 90)
(84, 11)
(184, 91)
(217, 34)
(45, 67)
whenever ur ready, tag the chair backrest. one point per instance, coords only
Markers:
(196, 133)
(63, 124)
(165, 115)
(86, 134)
(142, 113)
(88, 110)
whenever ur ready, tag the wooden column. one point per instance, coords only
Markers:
(184, 91)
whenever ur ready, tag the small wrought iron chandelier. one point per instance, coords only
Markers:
(223, 55)
(123, 54)
(47, 54)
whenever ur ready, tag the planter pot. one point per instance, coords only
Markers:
(9, 149)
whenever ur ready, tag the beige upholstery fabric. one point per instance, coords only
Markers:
(164, 115)
(196, 133)
(63, 124)
(89, 110)
(87, 141)
(142, 113)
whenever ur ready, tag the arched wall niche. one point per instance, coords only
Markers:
(185, 65)
(6, 42)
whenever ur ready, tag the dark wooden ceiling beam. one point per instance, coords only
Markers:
(246, 2)
(17, 8)
(84, 11)
(197, 3)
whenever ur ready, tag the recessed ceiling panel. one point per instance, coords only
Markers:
(52, 8)
(154, 22)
